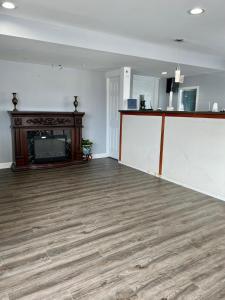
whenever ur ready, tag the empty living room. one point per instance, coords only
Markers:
(112, 150)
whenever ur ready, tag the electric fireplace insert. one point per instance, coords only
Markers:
(48, 147)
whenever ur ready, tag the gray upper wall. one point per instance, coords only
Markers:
(212, 88)
(46, 88)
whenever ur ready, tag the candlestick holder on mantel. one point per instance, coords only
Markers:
(75, 103)
(15, 101)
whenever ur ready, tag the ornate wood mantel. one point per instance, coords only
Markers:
(24, 121)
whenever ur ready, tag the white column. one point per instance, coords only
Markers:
(125, 79)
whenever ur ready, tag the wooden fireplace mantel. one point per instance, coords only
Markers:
(24, 121)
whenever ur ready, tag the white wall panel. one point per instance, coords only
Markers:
(141, 142)
(194, 154)
(147, 86)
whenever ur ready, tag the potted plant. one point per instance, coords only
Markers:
(87, 149)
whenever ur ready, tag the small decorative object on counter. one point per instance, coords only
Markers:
(215, 107)
(75, 103)
(132, 104)
(87, 149)
(142, 102)
(14, 101)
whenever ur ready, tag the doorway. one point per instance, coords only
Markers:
(188, 99)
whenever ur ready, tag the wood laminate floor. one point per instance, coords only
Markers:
(102, 231)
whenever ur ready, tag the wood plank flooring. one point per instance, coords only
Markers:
(103, 231)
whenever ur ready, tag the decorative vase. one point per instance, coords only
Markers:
(75, 103)
(87, 155)
(86, 151)
(14, 101)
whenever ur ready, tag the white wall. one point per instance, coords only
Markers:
(212, 88)
(163, 96)
(194, 154)
(50, 89)
(141, 142)
(147, 86)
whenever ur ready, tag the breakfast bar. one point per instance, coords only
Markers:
(187, 148)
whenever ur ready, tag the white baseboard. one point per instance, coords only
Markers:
(211, 194)
(5, 165)
(214, 195)
(141, 170)
(101, 155)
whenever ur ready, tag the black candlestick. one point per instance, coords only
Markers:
(14, 101)
(75, 103)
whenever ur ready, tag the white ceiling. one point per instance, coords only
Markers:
(158, 21)
(25, 50)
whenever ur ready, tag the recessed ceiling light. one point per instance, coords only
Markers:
(164, 73)
(8, 5)
(179, 40)
(196, 11)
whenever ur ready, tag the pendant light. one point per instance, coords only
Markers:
(178, 77)
(177, 74)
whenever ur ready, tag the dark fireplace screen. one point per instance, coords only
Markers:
(49, 146)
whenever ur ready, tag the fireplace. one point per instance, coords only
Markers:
(46, 139)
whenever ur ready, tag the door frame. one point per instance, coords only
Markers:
(188, 88)
(110, 75)
(124, 75)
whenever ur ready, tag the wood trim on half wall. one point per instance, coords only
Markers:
(162, 145)
(121, 135)
(181, 114)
